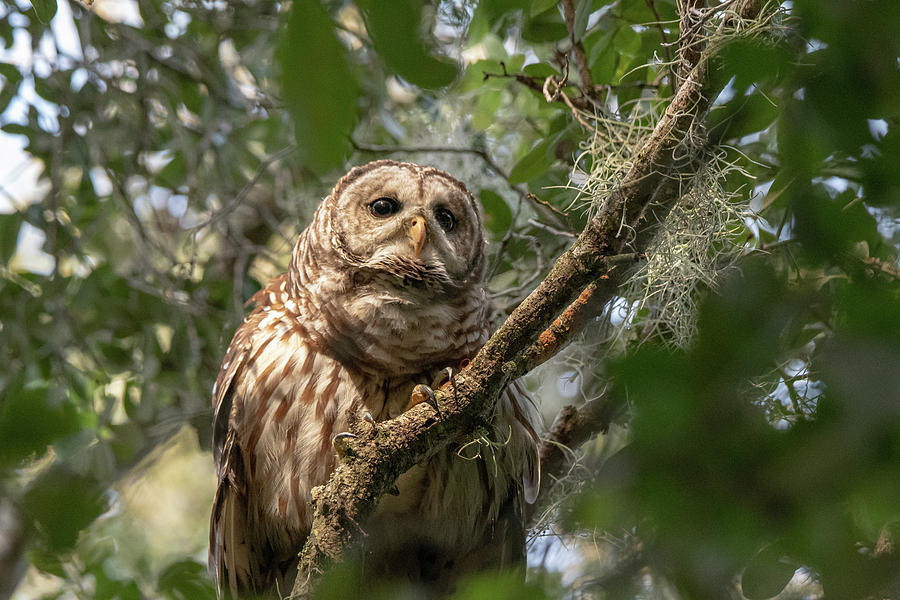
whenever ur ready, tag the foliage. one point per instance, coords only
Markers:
(182, 152)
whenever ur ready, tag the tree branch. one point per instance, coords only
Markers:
(689, 47)
(624, 223)
(572, 427)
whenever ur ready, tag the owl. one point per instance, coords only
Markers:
(384, 291)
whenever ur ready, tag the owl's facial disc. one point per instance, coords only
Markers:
(410, 226)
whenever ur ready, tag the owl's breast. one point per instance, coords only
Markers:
(395, 336)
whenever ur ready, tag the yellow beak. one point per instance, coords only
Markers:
(417, 235)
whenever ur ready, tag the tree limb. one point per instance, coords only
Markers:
(572, 427)
(623, 223)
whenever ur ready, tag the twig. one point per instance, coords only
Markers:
(548, 206)
(545, 227)
(651, 4)
(539, 84)
(747, 11)
(584, 71)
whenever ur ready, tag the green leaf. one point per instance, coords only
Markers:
(11, 74)
(60, 504)
(486, 107)
(627, 42)
(493, 11)
(602, 57)
(539, 6)
(9, 235)
(12, 77)
(742, 116)
(582, 12)
(475, 76)
(766, 575)
(542, 70)
(189, 94)
(497, 214)
(186, 580)
(44, 9)
(545, 27)
(6, 33)
(175, 172)
(508, 585)
(17, 129)
(751, 61)
(30, 420)
(395, 28)
(44, 89)
(318, 86)
(533, 164)
(628, 93)
(636, 11)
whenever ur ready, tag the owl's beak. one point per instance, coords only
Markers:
(417, 234)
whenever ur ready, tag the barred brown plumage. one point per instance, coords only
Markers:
(375, 301)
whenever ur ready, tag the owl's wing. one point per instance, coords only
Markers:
(229, 548)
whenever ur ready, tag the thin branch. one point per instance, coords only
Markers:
(651, 4)
(584, 71)
(537, 84)
(559, 232)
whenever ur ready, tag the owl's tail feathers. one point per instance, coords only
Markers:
(531, 476)
(526, 415)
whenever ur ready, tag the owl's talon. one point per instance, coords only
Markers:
(341, 443)
(452, 381)
(445, 377)
(368, 418)
(422, 393)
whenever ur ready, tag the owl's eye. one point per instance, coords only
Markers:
(445, 219)
(384, 207)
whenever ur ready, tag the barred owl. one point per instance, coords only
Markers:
(384, 292)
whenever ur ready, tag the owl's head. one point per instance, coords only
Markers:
(406, 226)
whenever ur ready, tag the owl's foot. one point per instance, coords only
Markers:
(341, 443)
(422, 393)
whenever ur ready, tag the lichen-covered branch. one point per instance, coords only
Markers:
(623, 224)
